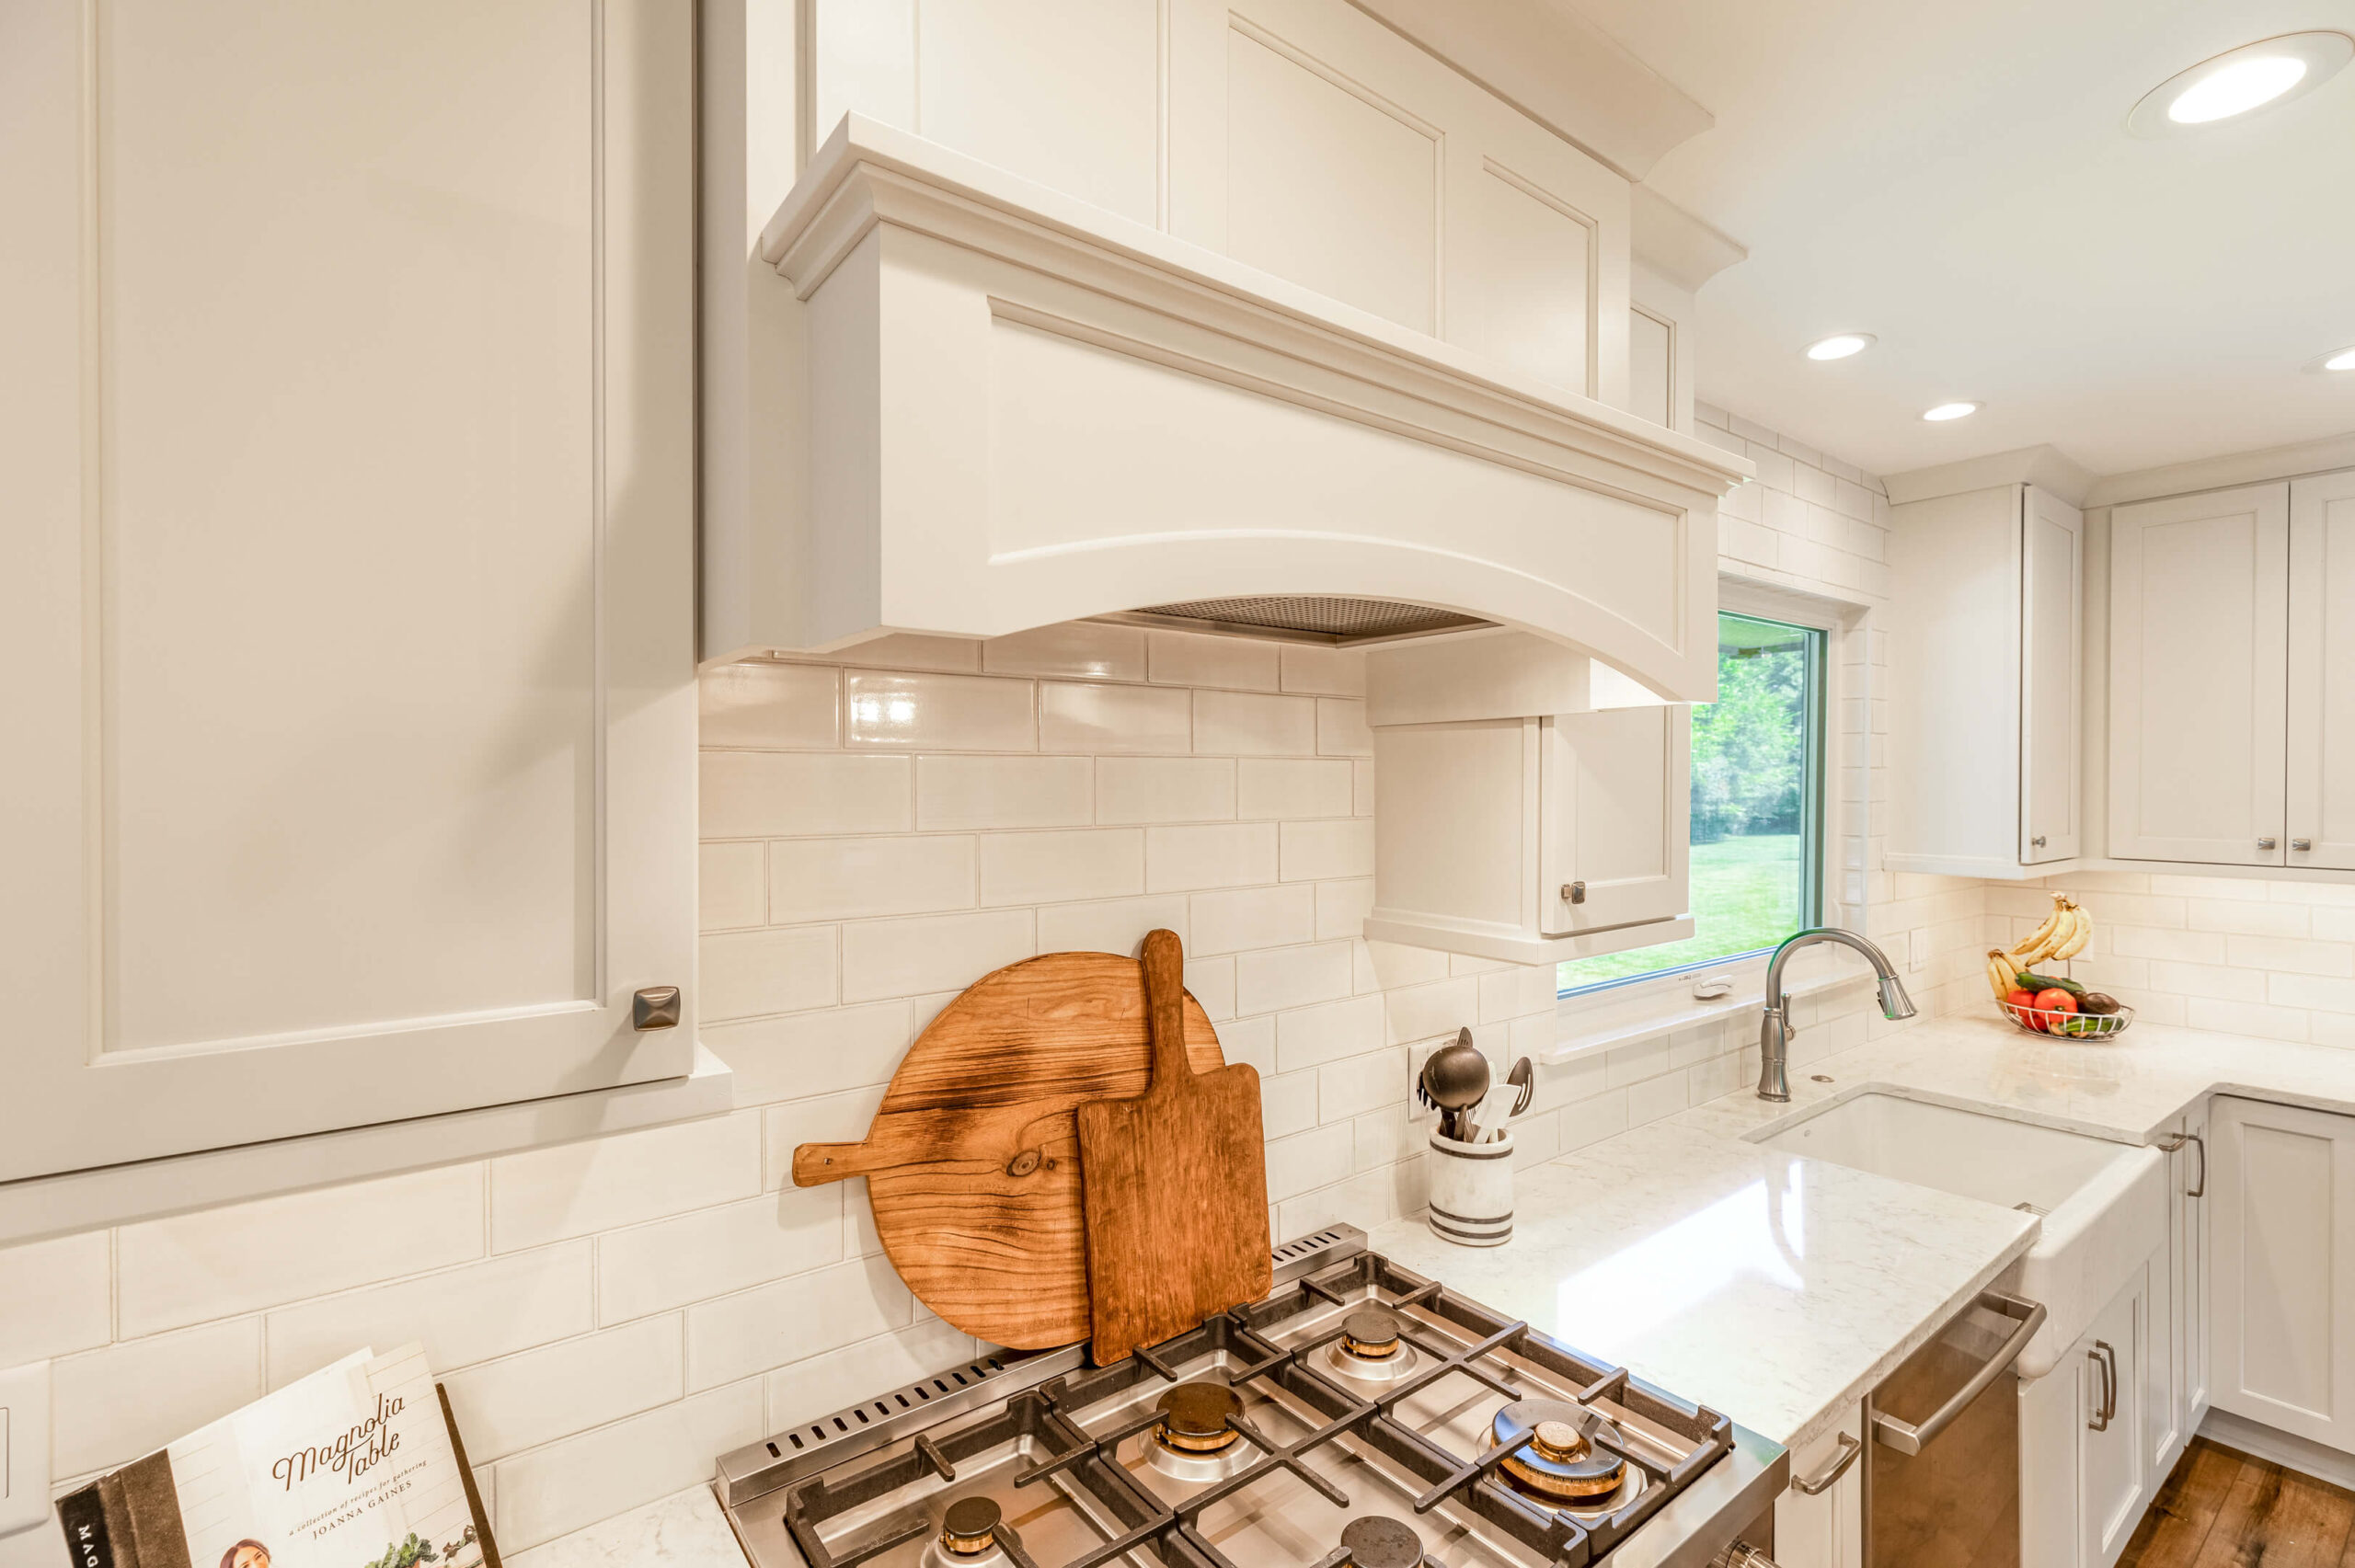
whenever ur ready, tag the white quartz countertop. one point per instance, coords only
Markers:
(1780, 1289)
(1775, 1288)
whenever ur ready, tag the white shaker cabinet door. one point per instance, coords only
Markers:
(2282, 1270)
(2198, 647)
(1616, 833)
(346, 453)
(1826, 1529)
(2114, 1475)
(2052, 596)
(2322, 671)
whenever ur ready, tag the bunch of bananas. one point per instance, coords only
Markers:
(2064, 934)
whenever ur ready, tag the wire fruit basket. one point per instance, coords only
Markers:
(2068, 1025)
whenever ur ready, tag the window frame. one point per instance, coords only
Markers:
(1611, 1005)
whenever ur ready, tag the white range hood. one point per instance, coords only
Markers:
(1020, 409)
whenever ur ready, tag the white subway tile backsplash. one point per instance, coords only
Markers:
(1311, 1037)
(772, 1325)
(549, 1491)
(1308, 1160)
(748, 973)
(1341, 907)
(109, 1406)
(463, 1315)
(1269, 787)
(540, 1395)
(909, 957)
(1165, 789)
(1322, 672)
(1114, 719)
(912, 650)
(1287, 1102)
(1243, 724)
(712, 1252)
(1363, 774)
(1115, 925)
(1348, 1088)
(939, 712)
(796, 706)
(753, 794)
(731, 886)
(818, 1386)
(1341, 728)
(1193, 658)
(823, 1118)
(1054, 868)
(1270, 980)
(1185, 858)
(55, 1297)
(220, 1262)
(548, 1194)
(1079, 648)
(1234, 920)
(813, 1053)
(1003, 792)
(1418, 1013)
(1316, 851)
(831, 879)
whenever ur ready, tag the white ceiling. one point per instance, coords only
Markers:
(1957, 177)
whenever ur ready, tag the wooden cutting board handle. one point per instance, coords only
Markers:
(1164, 1019)
(814, 1164)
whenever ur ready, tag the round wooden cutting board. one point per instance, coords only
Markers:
(972, 1163)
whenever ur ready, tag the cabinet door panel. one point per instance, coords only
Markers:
(2322, 671)
(359, 795)
(2198, 647)
(2112, 1467)
(1827, 1529)
(2193, 1263)
(1617, 815)
(2053, 555)
(2282, 1269)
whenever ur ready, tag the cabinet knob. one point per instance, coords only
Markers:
(1574, 892)
(2302, 844)
(2037, 842)
(2264, 843)
(656, 1007)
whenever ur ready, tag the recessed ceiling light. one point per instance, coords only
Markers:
(2337, 359)
(1945, 411)
(2233, 82)
(1840, 345)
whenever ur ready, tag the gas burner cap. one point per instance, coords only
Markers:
(1371, 1334)
(1555, 1456)
(970, 1528)
(1375, 1540)
(1194, 1418)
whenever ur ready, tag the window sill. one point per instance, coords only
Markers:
(1581, 1033)
(148, 1189)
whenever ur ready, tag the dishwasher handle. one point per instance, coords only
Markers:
(1908, 1438)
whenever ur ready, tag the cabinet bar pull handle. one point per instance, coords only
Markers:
(2176, 1140)
(1818, 1485)
(2266, 843)
(1906, 1438)
(2302, 844)
(2107, 1406)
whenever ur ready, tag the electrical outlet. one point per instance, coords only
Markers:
(24, 1447)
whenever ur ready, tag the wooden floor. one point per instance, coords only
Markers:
(2222, 1508)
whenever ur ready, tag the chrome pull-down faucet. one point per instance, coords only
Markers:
(1774, 1029)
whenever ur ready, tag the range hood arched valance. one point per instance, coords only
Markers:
(1022, 409)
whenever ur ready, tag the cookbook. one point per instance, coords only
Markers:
(352, 1467)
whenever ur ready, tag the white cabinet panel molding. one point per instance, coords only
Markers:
(2321, 672)
(349, 552)
(2198, 651)
(1012, 370)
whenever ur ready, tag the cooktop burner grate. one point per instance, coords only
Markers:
(1067, 1448)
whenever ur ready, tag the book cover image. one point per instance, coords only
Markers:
(349, 1468)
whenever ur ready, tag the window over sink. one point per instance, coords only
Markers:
(1757, 807)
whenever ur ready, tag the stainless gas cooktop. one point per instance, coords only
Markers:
(1358, 1414)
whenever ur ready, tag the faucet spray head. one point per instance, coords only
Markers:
(1894, 1002)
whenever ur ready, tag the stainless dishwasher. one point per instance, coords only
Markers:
(1942, 1465)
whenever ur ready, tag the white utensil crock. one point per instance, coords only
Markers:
(1472, 1191)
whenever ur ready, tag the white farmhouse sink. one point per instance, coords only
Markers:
(2104, 1205)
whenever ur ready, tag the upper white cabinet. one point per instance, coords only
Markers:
(2198, 654)
(2321, 819)
(1518, 820)
(1986, 664)
(2282, 1269)
(1300, 137)
(346, 450)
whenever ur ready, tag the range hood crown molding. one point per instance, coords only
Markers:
(1021, 409)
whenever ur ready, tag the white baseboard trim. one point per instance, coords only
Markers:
(2284, 1449)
